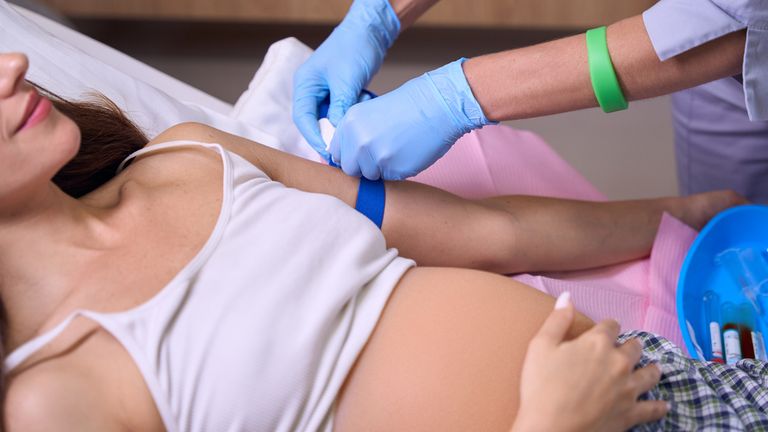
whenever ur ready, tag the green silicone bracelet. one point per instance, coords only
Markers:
(604, 82)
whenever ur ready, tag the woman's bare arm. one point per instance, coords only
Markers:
(505, 234)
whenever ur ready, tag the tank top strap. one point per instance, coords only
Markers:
(172, 144)
(24, 352)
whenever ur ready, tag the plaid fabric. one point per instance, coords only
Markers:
(705, 396)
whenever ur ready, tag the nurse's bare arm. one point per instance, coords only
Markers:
(504, 235)
(553, 77)
(409, 11)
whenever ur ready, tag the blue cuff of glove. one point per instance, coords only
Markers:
(378, 17)
(452, 85)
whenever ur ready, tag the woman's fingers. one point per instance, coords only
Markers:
(607, 328)
(647, 411)
(645, 378)
(633, 350)
(642, 380)
(558, 322)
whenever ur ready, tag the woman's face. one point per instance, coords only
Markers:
(36, 141)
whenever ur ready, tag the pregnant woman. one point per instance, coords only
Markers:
(203, 282)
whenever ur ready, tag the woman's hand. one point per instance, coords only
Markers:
(586, 384)
(698, 209)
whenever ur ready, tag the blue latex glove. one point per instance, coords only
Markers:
(401, 133)
(342, 66)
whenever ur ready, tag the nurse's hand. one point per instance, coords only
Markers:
(399, 134)
(585, 384)
(342, 66)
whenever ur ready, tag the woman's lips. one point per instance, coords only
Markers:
(39, 108)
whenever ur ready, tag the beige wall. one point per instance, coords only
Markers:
(454, 13)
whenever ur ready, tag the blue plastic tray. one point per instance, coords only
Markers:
(738, 227)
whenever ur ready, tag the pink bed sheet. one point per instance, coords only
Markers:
(499, 160)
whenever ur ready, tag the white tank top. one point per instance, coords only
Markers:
(259, 331)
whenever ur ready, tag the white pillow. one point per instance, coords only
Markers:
(72, 65)
(268, 100)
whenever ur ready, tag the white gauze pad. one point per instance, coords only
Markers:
(326, 131)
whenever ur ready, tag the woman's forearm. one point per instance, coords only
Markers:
(554, 77)
(409, 11)
(557, 234)
(514, 234)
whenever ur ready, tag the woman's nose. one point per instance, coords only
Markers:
(13, 67)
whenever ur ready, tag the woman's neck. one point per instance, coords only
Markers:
(44, 249)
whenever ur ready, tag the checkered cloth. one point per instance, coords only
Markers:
(705, 396)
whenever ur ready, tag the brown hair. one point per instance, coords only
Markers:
(107, 137)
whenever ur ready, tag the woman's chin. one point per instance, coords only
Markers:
(64, 140)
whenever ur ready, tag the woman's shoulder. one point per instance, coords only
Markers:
(191, 131)
(181, 164)
(166, 182)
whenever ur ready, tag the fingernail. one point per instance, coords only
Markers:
(563, 301)
(669, 406)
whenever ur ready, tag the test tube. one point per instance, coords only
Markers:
(711, 303)
(731, 333)
(746, 326)
(762, 294)
(757, 343)
(745, 269)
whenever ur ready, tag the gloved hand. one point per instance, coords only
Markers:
(342, 66)
(399, 134)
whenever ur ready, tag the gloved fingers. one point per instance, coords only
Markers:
(368, 167)
(335, 148)
(305, 116)
(365, 95)
(341, 101)
(389, 173)
(343, 150)
(311, 132)
(350, 167)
